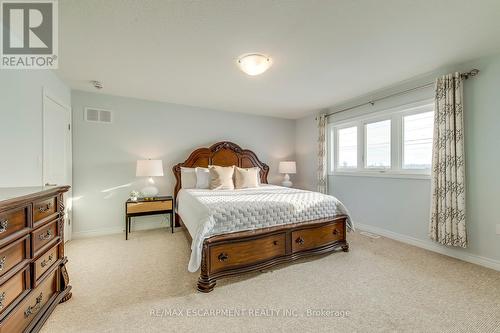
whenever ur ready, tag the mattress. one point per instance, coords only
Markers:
(207, 213)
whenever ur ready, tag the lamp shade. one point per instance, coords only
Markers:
(149, 168)
(288, 167)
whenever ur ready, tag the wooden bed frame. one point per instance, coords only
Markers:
(246, 251)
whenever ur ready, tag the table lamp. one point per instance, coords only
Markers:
(287, 167)
(149, 168)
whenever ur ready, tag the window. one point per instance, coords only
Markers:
(378, 144)
(417, 140)
(390, 142)
(348, 147)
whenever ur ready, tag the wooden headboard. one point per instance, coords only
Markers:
(224, 154)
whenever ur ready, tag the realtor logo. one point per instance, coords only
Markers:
(29, 34)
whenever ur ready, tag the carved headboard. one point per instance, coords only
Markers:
(224, 154)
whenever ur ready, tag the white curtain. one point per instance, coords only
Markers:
(447, 225)
(322, 155)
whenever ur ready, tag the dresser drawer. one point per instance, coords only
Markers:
(44, 208)
(12, 222)
(45, 262)
(14, 288)
(44, 236)
(14, 254)
(24, 313)
(151, 206)
(236, 254)
(314, 237)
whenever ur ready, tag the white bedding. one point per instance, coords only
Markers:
(206, 213)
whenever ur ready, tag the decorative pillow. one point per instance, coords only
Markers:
(202, 178)
(221, 178)
(246, 178)
(188, 177)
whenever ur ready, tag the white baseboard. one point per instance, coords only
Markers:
(431, 246)
(143, 225)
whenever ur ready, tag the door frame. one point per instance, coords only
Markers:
(48, 95)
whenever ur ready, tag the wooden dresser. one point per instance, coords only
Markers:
(33, 276)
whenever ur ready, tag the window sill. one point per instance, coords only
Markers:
(381, 174)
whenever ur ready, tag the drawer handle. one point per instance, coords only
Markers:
(44, 208)
(2, 298)
(46, 261)
(3, 225)
(335, 231)
(2, 263)
(223, 257)
(45, 236)
(275, 242)
(299, 240)
(31, 309)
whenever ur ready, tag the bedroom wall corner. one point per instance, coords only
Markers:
(306, 152)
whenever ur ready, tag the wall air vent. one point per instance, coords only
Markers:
(98, 115)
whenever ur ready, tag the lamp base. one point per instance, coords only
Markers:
(286, 181)
(150, 191)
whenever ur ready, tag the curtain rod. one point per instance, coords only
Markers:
(372, 102)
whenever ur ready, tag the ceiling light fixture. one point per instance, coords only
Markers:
(254, 63)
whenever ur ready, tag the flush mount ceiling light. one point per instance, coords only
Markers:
(254, 63)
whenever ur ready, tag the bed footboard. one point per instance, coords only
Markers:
(241, 252)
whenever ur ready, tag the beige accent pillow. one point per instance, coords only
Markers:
(246, 178)
(221, 178)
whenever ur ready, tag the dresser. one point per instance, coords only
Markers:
(33, 276)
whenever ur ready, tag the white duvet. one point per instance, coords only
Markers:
(206, 213)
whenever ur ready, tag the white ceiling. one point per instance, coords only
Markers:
(324, 52)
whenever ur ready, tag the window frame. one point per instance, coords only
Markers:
(336, 140)
(364, 156)
(402, 152)
(396, 116)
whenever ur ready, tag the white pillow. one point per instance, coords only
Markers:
(246, 177)
(202, 178)
(188, 177)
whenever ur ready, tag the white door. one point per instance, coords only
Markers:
(57, 157)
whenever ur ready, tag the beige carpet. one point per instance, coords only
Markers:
(142, 285)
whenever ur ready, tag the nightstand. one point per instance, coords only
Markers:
(142, 207)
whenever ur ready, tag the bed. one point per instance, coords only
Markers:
(238, 231)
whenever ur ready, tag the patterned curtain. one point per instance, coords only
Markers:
(322, 155)
(447, 225)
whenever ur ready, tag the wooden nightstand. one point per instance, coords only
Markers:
(142, 207)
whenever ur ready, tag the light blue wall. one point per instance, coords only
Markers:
(104, 155)
(402, 206)
(21, 109)
(399, 205)
(306, 151)
(482, 148)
